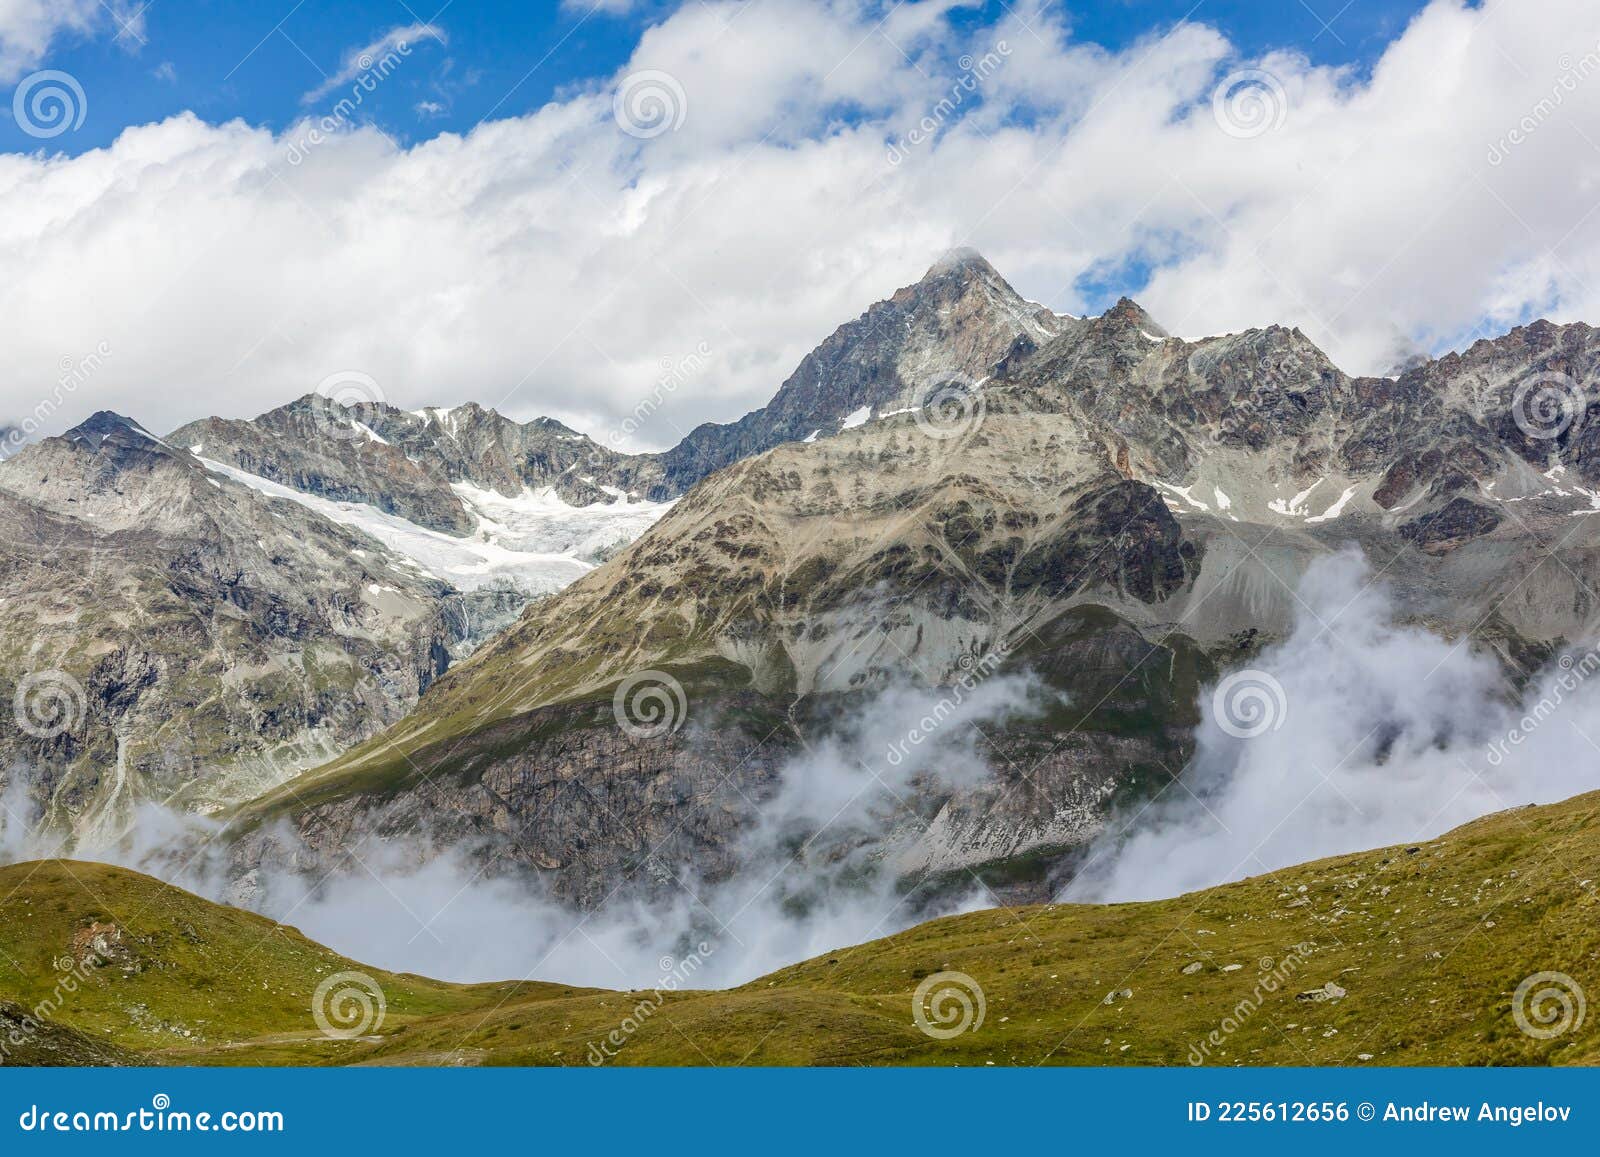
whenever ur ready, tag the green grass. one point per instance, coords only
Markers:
(1430, 943)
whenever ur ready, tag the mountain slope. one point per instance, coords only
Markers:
(1115, 513)
(957, 321)
(171, 635)
(406, 463)
(251, 616)
(1408, 955)
(953, 325)
(782, 594)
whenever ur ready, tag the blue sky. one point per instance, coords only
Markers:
(257, 60)
(492, 222)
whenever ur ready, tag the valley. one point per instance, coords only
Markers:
(1405, 955)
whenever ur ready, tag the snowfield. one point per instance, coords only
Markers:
(534, 540)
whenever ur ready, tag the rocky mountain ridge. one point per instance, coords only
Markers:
(957, 322)
(442, 524)
(956, 481)
(170, 635)
(1113, 511)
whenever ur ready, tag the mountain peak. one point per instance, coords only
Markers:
(1130, 313)
(961, 259)
(103, 424)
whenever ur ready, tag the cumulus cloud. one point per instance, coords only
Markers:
(824, 152)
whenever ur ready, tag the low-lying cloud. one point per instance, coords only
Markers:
(1356, 732)
(813, 876)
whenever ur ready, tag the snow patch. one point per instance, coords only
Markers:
(1183, 493)
(1336, 509)
(534, 540)
(856, 418)
(1296, 506)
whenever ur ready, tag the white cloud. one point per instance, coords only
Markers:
(400, 40)
(550, 262)
(29, 27)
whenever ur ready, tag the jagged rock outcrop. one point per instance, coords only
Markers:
(956, 323)
(404, 463)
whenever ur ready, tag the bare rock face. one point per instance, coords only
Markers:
(956, 323)
(956, 487)
(318, 447)
(565, 794)
(174, 636)
(101, 944)
(404, 463)
(1110, 511)
(1457, 522)
(953, 324)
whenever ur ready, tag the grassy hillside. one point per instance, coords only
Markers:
(1423, 946)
